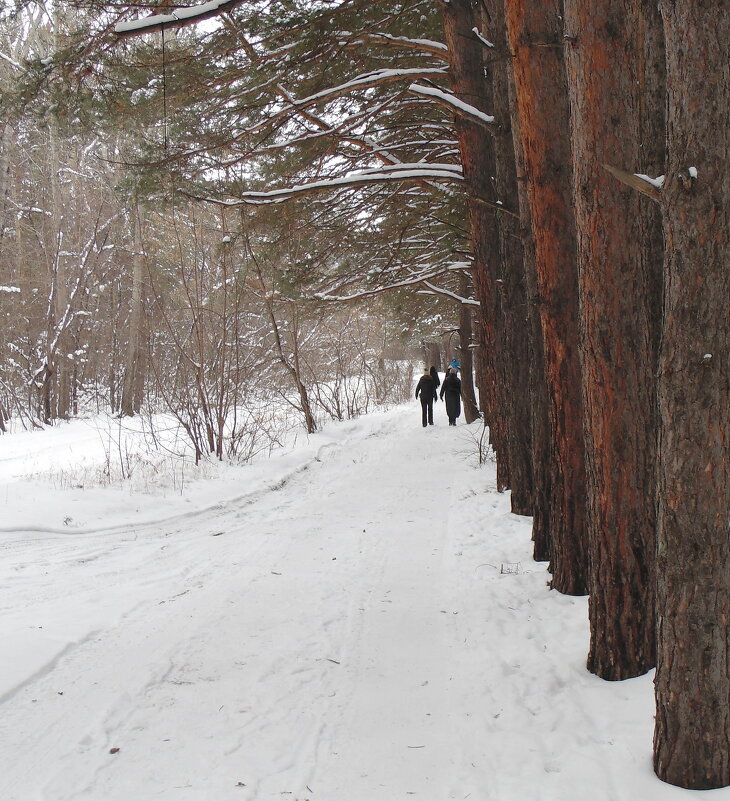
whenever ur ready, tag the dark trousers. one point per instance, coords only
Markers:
(427, 411)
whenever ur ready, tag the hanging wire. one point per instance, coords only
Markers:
(164, 92)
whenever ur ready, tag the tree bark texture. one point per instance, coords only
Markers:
(535, 37)
(541, 440)
(515, 350)
(619, 268)
(478, 162)
(692, 735)
(132, 388)
(59, 346)
(471, 408)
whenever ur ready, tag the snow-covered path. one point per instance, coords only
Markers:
(369, 628)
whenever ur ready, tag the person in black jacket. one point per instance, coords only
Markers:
(435, 375)
(452, 389)
(427, 391)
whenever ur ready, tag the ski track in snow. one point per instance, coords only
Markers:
(370, 628)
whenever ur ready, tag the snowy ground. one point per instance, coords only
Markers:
(355, 619)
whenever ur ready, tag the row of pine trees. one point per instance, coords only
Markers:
(557, 172)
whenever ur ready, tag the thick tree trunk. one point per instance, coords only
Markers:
(536, 38)
(477, 158)
(515, 346)
(538, 395)
(619, 267)
(692, 736)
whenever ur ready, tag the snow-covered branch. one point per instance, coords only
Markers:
(481, 38)
(451, 101)
(412, 280)
(368, 80)
(651, 187)
(425, 46)
(12, 62)
(395, 172)
(175, 19)
(439, 290)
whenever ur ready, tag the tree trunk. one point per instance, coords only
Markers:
(296, 372)
(692, 736)
(471, 409)
(536, 38)
(58, 337)
(619, 268)
(541, 439)
(515, 348)
(134, 368)
(477, 157)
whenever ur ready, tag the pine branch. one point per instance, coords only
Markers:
(176, 19)
(641, 183)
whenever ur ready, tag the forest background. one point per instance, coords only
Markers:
(290, 198)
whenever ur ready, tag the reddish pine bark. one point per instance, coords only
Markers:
(535, 37)
(477, 158)
(515, 349)
(537, 394)
(619, 266)
(692, 735)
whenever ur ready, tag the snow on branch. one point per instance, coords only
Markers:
(458, 106)
(412, 280)
(367, 80)
(177, 18)
(395, 172)
(12, 62)
(651, 187)
(439, 290)
(419, 165)
(425, 46)
(479, 36)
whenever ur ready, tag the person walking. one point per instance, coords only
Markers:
(452, 389)
(435, 375)
(426, 389)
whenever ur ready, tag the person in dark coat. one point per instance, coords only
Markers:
(426, 389)
(435, 375)
(452, 389)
